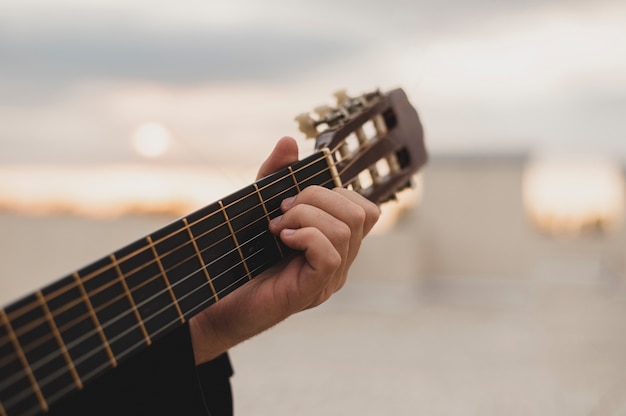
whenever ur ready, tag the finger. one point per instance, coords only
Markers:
(323, 264)
(339, 207)
(284, 154)
(372, 211)
(337, 232)
(308, 216)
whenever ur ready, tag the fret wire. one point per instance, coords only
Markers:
(109, 284)
(105, 268)
(167, 280)
(25, 365)
(195, 246)
(59, 339)
(95, 320)
(43, 382)
(241, 279)
(295, 181)
(232, 232)
(122, 279)
(267, 215)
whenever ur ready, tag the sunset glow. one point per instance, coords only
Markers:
(114, 190)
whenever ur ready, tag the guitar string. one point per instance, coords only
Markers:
(50, 378)
(192, 274)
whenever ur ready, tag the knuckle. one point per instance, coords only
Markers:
(359, 216)
(334, 261)
(343, 231)
(373, 211)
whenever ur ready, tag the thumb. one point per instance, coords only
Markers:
(284, 154)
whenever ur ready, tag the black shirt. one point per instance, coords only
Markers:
(162, 379)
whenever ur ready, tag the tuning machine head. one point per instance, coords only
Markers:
(334, 117)
(341, 97)
(307, 125)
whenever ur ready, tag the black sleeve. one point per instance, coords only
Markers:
(162, 379)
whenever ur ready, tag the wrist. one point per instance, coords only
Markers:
(205, 341)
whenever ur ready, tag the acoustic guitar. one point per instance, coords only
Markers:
(57, 339)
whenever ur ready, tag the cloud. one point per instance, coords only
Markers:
(114, 49)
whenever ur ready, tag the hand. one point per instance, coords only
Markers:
(326, 226)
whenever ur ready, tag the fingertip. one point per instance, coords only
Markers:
(287, 203)
(285, 152)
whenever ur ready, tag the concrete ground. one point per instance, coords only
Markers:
(452, 347)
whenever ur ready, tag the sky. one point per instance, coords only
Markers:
(226, 79)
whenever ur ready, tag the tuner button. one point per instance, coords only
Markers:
(322, 111)
(341, 97)
(306, 125)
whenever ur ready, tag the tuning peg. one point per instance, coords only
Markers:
(322, 111)
(341, 96)
(306, 124)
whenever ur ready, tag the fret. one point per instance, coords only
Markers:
(317, 169)
(21, 395)
(122, 279)
(219, 249)
(57, 335)
(148, 291)
(295, 181)
(232, 232)
(112, 306)
(195, 246)
(269, 218)
(183, 267)
(256, 245)
(78, 328)
(86, 329)
(274, 189)
(13, 377)
(166, 279)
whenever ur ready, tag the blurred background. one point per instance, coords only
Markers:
(496, 286)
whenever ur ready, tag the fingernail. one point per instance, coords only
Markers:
(288, 202)
(288, 231)
(275, 221)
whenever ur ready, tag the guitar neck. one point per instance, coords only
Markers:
(58, 338)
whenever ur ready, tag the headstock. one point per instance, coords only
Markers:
(376, 140)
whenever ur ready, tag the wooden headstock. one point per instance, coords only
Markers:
(376, 139)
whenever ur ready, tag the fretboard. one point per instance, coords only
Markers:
(62, 336)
